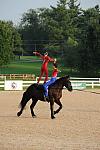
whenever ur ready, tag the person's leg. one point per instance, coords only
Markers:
(46, 75)
(52, 80)
(49, 82)
(41, 74)
(46, 98)
(45, 91)
(45, 85)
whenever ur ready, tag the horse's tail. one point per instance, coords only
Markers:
(24, 100)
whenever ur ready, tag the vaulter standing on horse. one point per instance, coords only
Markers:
(52, 80)
(44, 69)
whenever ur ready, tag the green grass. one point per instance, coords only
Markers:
(24, 68)
(25, 65)
(29, 65)
(20, 68)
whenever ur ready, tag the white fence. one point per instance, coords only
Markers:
(90, 82)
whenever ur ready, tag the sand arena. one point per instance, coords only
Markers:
(76, 127)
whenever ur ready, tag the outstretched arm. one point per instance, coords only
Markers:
(51, 59)
(38, 54)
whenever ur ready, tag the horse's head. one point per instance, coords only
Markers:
(67, 83)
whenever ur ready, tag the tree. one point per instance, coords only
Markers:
(89, 42)
(9, 39)
(33, 29)
(49, 25)
(68, 14)
(73, 33)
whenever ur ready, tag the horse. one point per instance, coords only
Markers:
(36, 92)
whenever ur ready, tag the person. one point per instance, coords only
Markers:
(44, 68)
(52, 80)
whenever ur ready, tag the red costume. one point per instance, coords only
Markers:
(44, 69)
(54, 73)
(52, 80)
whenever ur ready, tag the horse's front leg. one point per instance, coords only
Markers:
(57, 101)
(32, 106)
(52, 108)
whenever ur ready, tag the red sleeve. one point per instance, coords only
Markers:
(50, 59)
(38, 54)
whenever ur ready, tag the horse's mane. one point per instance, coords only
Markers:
(59, 80)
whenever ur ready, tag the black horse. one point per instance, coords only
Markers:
(36, 92)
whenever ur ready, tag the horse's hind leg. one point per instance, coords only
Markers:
(20, 112)
(52, 108)
(32, 106)
(22, 108)
(23, 102)
(57, 101)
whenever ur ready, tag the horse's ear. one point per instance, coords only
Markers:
(67, 76)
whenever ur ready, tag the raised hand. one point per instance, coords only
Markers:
(34, 53)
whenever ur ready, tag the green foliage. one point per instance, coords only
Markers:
(8, 41)
(67, 31)
(5, 43)
(71, 42)
(90, 42)
(33, 29)
(53, 50)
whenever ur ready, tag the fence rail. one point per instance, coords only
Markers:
(90, 82)
(18, 76)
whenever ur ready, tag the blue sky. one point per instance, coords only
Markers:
(13, 9)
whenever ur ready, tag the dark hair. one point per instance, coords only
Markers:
(46, 53)
(55, 65)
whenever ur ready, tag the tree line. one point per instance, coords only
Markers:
(65, 31)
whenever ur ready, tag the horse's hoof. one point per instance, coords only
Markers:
(34, 116)
(54, 112)
(53, 117)
(18, 114)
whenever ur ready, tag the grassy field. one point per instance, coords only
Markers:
(28, 65)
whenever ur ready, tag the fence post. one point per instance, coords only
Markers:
(36, 79)
(92, 85)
